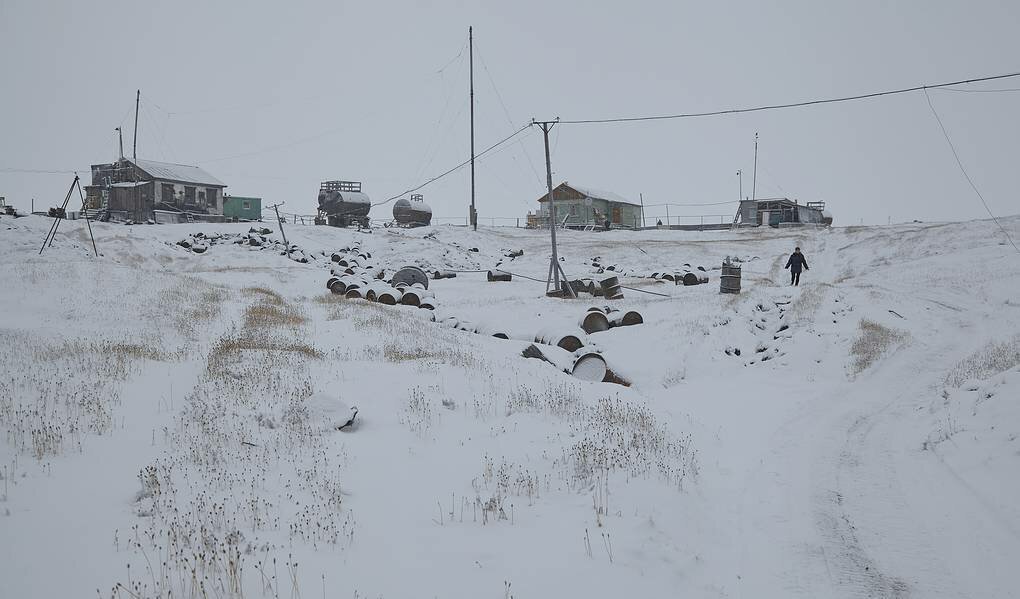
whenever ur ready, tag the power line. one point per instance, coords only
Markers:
(506, 112)
(458, 167)
(691, 205)
(791, 104)
(981, 91)
(963, 170)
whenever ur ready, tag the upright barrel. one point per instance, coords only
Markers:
(729, 280)
(611, 288)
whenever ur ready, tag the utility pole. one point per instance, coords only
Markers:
(740, 176)
(558, 284)
(754, 174)
(642, 198)
(471, 77)
(276, 208)
(134, 147)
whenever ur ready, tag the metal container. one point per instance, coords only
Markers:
(568, 340)
(412, 213)
(590, 366)
(390, 297)
(341, 203)
(428, 304)
(625, 319)
(594, 321)
(729, 280)
(444, 274)
(498, 275)
(354, 293)
(410, 275)
(611, 288)
(414, 296)
(491, 331)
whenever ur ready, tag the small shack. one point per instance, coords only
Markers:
(781, 212)
(137, 189)
(237, 208)
(581, 207)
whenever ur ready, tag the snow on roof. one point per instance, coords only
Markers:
(597, 194)
(182, 173)
(130, 184)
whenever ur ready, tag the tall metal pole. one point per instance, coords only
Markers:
(559, 284)
(134, 147)
(740, 176)
(471, 76)
(642, 197)
(754, 175)
(120, 141)
(552, 207)
(276, 207)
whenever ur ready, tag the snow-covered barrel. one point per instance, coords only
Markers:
(627, 318)
(594, 321)
(490, 330)
(390, 296)
(611, 288)
(729, 279)
(414, 296)
(590, 366)
(567, 339)
(409, 275)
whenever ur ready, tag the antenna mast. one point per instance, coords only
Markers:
(134, 147)
(754, 174)
(471, 75)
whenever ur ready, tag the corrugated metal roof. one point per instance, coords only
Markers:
(596, 194)
(182, 173)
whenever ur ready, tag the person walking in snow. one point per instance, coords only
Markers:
(795, 263)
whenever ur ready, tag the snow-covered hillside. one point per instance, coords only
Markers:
(169, 418)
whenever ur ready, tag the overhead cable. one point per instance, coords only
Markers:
(904, 90)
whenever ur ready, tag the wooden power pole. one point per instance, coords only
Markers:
(134, 146)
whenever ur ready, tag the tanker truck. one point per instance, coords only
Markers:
(342, 204)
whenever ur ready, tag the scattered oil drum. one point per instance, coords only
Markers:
(729, 280)
(444, 274)
(410, 275)
(625, 319)
(498, 275)
(594, 322)
(390, 297)
(690, 278)
(568, 340)
(611, 288)
(329, 283)
(354, 293)
(490, 331)
(590, 366)
(414, 297)
(428, 304)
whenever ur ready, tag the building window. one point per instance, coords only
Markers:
(201, 198)
(246, 205)
(189, 195)
(573, 210)
(167, 193)
(211, 195)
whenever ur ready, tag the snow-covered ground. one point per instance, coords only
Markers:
(168, 426)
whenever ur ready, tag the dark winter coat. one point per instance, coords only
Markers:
(796, 261)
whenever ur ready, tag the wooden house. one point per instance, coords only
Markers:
(578, 207)
(136, 189)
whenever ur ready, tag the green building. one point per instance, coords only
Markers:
(239, 208)
(579, 207)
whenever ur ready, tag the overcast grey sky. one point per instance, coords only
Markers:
(275, 97)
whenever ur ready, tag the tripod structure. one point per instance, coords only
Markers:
(557, 279)
(48, 241)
